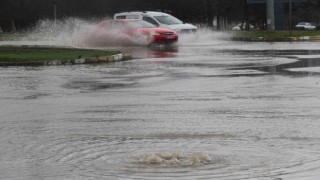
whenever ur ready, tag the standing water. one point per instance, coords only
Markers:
(209, 109)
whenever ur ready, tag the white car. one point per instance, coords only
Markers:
(238, 27)
(305, 26)
(159, 19)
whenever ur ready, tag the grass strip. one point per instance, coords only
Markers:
(32, 54)
(274, 34)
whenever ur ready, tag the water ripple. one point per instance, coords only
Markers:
(179, 156)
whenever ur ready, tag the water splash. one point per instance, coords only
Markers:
(203, 37)
(103, 38)
(63, 32)
(81, 32)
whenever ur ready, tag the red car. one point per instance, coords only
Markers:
(131, 31)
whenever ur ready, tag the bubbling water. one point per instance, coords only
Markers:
(175, 158)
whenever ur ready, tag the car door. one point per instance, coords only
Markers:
(150, 20)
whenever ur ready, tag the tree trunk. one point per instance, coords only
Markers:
(13, 26)
(209, 14)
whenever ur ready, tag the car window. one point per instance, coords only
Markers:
(112, 25)
(140, 24)
(133, 16)
(169, 20)
(121, 17)
(150, 20)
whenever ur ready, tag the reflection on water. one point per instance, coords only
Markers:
(155, 51)
(286, 68)
(195, 112)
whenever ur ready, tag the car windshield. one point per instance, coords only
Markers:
(169, 20)
(140, 24)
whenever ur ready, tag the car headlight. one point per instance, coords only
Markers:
(154, 33)
(176, 30)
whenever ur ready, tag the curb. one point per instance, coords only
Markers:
(285, 39)
(87, 60)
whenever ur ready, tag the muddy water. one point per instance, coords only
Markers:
(214, 110)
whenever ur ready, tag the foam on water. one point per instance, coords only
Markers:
(175, 158)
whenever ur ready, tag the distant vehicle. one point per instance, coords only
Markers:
(305, 26)
(158, 19)
(123, 30)
(239, 28)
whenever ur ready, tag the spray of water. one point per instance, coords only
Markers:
(82, 33)
(203, 37)
(62, 32)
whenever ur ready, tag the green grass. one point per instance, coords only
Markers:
(28, 54)
(274, 34)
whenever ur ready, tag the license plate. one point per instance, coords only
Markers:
(170, 37)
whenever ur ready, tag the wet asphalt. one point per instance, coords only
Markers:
(230, 110)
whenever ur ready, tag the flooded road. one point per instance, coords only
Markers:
(217, 110)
